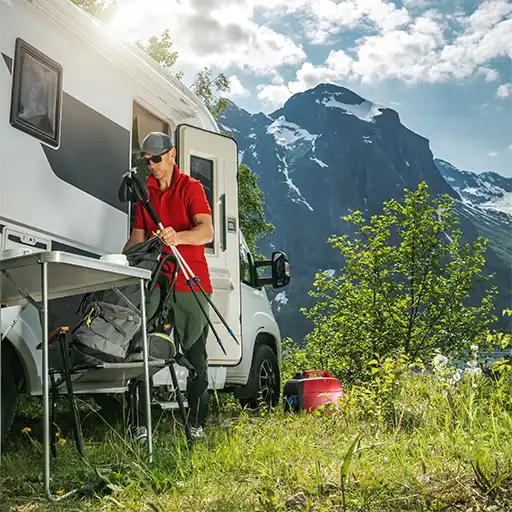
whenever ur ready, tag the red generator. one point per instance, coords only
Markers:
(306, 393)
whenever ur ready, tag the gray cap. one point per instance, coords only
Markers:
(156, 143)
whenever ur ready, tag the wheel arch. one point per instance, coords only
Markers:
(267, 338)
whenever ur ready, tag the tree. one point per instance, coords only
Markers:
(159, 49)
(252, 218)
(104, 10)
(202, 87)
(403, 288)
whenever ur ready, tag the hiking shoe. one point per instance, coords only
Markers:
(139, 435)
(196, 432)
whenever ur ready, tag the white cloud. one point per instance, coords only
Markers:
(421, 53)
(431, 47)
(323, 19)
(420, 4)
(408, 43)
(492, 154)
(274, 95)
(237, 90)
(210, 33)
(490, 75)
(277, 80)
(504, 90)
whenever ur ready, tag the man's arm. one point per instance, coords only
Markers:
(137, 236)
(200, 234)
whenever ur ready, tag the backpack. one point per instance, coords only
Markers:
(110, 327)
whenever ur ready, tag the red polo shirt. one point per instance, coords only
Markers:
(176, 208)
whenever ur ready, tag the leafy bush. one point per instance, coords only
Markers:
(405, 287)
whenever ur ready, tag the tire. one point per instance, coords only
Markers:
(9, 394)
(264, 383)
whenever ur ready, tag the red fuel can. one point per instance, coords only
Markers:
(305, 392)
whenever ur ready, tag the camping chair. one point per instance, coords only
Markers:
(74, 370)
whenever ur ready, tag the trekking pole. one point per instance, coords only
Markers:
(189, 282)
(143, 196)
(195, 279)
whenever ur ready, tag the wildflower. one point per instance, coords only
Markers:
(60, 492)
(26, 430)
(440, 360)
(474, 371)
(457, 376)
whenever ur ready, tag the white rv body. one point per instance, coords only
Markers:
(62, 195)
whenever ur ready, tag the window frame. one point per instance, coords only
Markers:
(24, 48)
(210, 248)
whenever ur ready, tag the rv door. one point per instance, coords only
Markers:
(213, 159)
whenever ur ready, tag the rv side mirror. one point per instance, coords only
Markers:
(280, 270)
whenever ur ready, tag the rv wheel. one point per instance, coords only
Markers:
(264, 380)
(9, 393)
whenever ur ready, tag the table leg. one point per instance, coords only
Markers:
(1, 341)
(46, 399)
(146, 368)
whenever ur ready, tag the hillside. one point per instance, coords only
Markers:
(486, 200)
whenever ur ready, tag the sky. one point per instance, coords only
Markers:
(444, 65)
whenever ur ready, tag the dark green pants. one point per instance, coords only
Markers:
(192, 329)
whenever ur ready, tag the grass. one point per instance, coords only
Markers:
(426, 446)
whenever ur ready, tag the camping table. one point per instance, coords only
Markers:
(39, 277)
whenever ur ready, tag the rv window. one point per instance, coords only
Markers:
(202, 169)
(36, 94)
(143, 123)
(245, 266)
(247, 270)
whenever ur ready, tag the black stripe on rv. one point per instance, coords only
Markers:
(94, 151)
(8, 62)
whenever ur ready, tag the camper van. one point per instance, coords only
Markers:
(76, 103)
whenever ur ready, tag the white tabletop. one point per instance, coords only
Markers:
(68, 274)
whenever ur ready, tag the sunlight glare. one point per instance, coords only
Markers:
(127, 20)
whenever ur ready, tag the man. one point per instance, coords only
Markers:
(181, 205)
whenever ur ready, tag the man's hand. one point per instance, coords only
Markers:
(169, 236)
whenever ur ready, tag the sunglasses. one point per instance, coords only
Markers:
(155, 159)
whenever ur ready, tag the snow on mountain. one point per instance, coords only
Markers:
(488, 190)
(287, 134)
(365, 110)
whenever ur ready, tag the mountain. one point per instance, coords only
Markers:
(486, 201)
(325, 152)
(489, 190)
